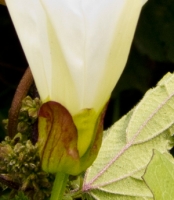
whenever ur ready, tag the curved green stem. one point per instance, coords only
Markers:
(59, 186)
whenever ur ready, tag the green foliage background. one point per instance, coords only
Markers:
(151, 56)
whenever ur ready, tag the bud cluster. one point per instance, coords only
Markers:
(20, 168)
(27, 116)
(31, 107)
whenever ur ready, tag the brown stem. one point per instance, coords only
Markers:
(21, 92)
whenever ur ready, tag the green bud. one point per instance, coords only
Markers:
(5, 123)
(31, 106)
(22, 127)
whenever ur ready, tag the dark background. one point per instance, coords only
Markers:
(151, 56)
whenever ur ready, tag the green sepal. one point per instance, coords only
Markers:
(90, 155)
(58, 138)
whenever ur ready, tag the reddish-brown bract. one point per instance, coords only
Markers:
(58, 139)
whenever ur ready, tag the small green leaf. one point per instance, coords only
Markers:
(19, 196)
(159, 177)
(128, 147)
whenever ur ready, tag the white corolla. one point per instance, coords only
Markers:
(77, 50)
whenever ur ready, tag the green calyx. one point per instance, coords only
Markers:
(68, 144)
(85, 123)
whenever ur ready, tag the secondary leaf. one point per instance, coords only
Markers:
(128, 146)
(159, 177)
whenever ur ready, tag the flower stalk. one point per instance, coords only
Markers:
(59, 186)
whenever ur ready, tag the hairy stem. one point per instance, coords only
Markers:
(21, 92)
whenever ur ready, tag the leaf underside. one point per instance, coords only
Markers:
(128, 147)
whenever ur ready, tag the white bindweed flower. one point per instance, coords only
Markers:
(77, 50)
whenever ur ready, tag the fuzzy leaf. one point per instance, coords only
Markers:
(128, 147)
(159, 177)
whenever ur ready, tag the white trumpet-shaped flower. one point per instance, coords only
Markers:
(76, 49)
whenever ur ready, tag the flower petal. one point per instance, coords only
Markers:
(29, 20)
(126, 20)
(43, 52)
(76, 49)
(95, 38)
